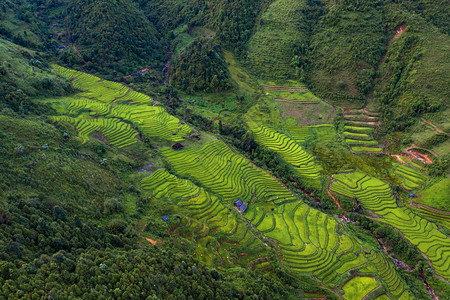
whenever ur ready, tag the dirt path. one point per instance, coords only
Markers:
(75, 48)
(331, 195)
(399, 32)
(437, 129)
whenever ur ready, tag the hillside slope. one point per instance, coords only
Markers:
(123, 36)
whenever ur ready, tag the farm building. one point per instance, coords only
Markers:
(177, 146)
(239, 205)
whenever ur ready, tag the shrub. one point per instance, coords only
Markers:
(112, 205)
(116, 226)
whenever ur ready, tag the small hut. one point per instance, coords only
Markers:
(177, 146)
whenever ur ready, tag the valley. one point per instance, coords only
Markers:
(277, 150)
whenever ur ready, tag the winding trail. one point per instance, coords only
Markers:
(430, 124)
(74, 47)
(331, 194)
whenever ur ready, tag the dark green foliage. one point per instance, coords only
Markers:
(133, 274)
(113, 32)
(345, 48)
(440, 167)
(232, 20)
(112, 205)
(413, 80)
(23, 76)
(200, 67)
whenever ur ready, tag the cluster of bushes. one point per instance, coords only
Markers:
(45, 251)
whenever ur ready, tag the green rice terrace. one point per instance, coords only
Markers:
(283, 149)
(235, 213)
(411, 178)
(232, 213)
(288, 149)
(305, 240)
(115, 111)
(377, 197)
(358, 130)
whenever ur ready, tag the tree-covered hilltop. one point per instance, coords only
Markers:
(200, 67)
(232, 20)
(113, 34)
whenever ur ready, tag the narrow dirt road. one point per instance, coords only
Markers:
(437, 129)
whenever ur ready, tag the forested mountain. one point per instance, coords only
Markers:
(115, 34)
(200, 67)
(229, 149)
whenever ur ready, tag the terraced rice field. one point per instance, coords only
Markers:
(387, 273)
(359, 287)
(309, 241)
(306, 239)
(302, 134)
(93, 87)
(152, 121)
(167, 186)
(439, 218)
(290, 151)
(415, 163)
(358, 131)
(117, 133)
(221, 237)
(411, 178)
(296, 94)
(377, 196)
(220, 170)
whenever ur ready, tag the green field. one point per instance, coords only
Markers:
(358, 131)
(291, 152)
(411, 178)
(367, 149)
(93, 87)
(308, 239)
(358, 287)
(436, 195)
(352, 142)
(387, 273)
(221, 237)
(305, 134)
(115, 110)
(117, 133)
(356, 135)
(217, 168)
(376, 195)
